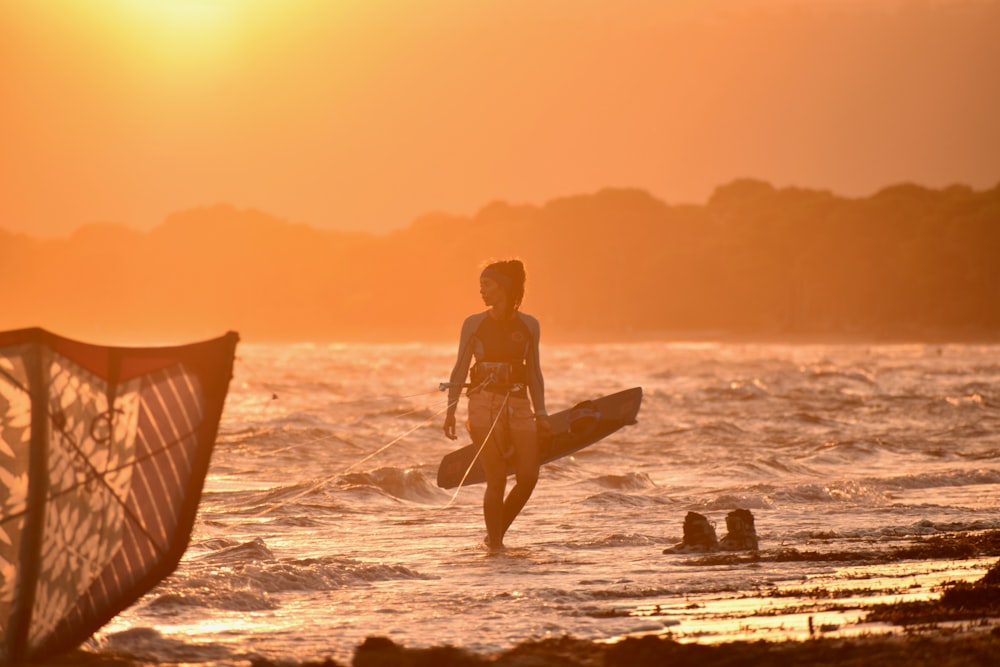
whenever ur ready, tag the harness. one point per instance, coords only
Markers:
(499, 377)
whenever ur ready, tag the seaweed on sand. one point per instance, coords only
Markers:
(945, 547)
(650, 651)
(959, 601)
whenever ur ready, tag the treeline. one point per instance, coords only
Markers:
(754, 261)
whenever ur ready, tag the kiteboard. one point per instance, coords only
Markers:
(572, 430)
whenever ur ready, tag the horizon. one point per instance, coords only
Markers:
(367, 116)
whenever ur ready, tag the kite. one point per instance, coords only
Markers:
(103, 455)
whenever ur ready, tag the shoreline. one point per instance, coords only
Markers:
(930, 648)
(961, 627)
(921, 645)
(938, 624)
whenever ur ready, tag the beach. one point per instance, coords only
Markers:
(960, 627)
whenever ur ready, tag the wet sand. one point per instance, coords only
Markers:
(936, 649)
(930, 645)
(960, 627)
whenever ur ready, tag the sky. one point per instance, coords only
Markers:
(366, 114)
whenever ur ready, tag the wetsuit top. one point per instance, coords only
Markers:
(513, 341)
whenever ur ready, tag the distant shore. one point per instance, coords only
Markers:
(755, 262)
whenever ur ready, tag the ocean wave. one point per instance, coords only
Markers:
(633, 481)
(954, 526)
(920, 528)
(398, 483)
(844, 491)
(816, 420)
(209, 596)
(295, 521)
(978, 387)
(314, 574)
(720, 428)
(243, 577)
(253, 550)
(942, 479)
(955, 405)
(618, 499)
(149, 646)
(869, 493)
(772, 466)
(398, 412)
(738, 391)
(752, 500)
(852, 377)
(749, 390)
(980, 455)
(961, 434)
(230, 433)
(292, 500)
(298, 419)
(618, 540)
(844, 451)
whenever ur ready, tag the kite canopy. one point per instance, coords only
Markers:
(103, 454)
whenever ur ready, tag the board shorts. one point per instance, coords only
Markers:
(516, 423)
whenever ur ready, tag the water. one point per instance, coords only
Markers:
(303, 547)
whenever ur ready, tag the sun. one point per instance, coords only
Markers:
(170, 40)
(179, 31)
(182, 15)
(165, 36)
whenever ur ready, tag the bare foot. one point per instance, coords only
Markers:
(489, 546)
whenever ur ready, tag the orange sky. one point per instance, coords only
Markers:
(364, 114)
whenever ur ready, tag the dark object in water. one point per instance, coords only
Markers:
(741, 533)
(699, 536)
(103, 451)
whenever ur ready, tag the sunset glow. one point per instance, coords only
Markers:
(532, 298)
(366, 115)
(157, 40)
(354, 116)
